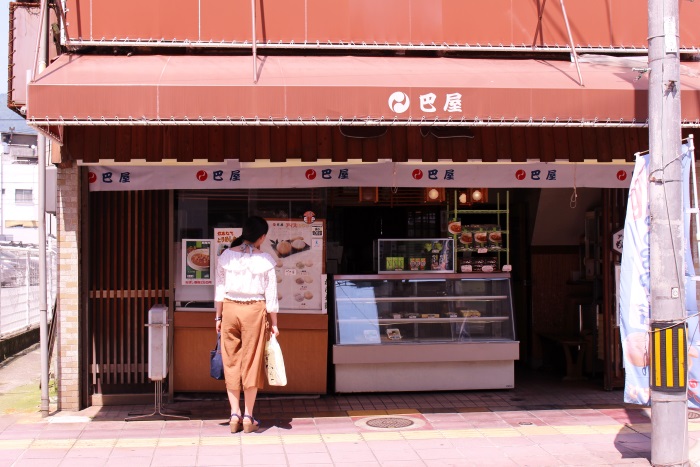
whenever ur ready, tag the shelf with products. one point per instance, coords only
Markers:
(480, 247)
(420, 255)
(390, 329)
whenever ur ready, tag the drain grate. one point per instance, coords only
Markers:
(386, 422)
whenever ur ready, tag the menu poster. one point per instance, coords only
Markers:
(222, 240)
(297, 248)
(196, 262)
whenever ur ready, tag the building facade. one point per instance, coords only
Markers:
(171, 119)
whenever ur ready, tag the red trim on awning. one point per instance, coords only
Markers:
(167, 89)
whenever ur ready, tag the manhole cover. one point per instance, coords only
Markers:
(385, 422)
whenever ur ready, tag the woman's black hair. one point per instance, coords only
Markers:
(253, 228)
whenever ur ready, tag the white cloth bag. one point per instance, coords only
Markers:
(274, 363)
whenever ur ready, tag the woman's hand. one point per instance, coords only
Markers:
(218, 327)
(274, 331)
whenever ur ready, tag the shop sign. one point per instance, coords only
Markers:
(383, 173)
(618, 240)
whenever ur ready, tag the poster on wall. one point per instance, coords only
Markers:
(196, 268)
(298, 250)
(222, 240)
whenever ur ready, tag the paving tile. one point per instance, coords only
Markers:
(132, 452)
(173, 461)
(386, 456)
(359, 455)
(128, 462)
(358, 464)
(84, 462)
(207, 460)
(37, 463)
(260, 458)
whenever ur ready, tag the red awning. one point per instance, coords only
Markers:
(113, 90)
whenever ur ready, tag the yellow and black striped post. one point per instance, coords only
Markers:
(668, 357)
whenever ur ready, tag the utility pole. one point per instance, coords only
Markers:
(669, 403)
(43, 59)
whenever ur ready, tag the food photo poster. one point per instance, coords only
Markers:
(196, 262)
(222, 240)
(297, 248)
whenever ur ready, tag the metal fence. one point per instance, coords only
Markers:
(19, 287)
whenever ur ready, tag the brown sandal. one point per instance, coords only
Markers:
(250, 424)
(235, 423)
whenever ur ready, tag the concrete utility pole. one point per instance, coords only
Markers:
(669, 403)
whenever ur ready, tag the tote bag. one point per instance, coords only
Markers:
(216, 366)
(274, 363)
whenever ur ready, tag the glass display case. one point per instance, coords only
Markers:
(409, 309)
(412, 332)
(420, 255)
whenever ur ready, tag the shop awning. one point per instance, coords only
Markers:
(208, 90)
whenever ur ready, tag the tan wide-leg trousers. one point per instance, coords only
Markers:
(243, 336)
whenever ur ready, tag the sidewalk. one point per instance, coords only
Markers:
(543, 421)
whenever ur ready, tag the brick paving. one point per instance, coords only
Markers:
(543, 421)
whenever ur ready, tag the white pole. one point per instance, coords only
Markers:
(42, 55)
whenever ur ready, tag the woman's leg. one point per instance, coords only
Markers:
(234, 398)
(230, 353)
(249, 400)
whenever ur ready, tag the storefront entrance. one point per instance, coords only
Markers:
(132, 263)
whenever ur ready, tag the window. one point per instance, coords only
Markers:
(23, 196)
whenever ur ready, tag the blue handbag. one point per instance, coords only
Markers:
(216, 367)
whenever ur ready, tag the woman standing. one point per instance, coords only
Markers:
(245, 299)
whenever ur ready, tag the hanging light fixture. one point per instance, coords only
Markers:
(434, 195)
(369, 194)
(473, 195)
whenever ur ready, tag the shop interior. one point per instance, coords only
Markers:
(552, 239)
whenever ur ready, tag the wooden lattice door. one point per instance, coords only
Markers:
(128, 272)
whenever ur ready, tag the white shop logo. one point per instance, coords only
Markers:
(399, 102)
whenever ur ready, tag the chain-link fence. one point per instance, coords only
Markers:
(19, 287)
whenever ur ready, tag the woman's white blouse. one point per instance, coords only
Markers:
(246, 277)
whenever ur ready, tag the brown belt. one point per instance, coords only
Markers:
(242, 302)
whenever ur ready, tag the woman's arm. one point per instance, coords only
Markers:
(271, 301)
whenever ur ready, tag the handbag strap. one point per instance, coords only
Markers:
(218, 342)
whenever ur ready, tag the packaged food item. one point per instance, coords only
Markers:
(495, 239)
(454, 228)
(470, 313)
(481, 239)
(467, 264)
(395, 263)
(467, 239)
